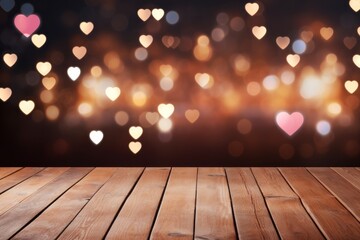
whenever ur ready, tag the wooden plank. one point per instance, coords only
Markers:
(137, 215)
(21, 191)
(345, 192)
(272, 184)
(17, 178)
(291, 219)
(331, 217)
(214, 218)
(56, 217)
(16, 218)
(5, 171)
(352, 175)
(175, 219)
(252, 218)
(96, 217)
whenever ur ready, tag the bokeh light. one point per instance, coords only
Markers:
(202, 78)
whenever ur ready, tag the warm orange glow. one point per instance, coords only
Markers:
(46, 96)
(52, 112)
(96, 71)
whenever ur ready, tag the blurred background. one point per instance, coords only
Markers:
(179, 83)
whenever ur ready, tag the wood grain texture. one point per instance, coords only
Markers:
(214, 218)
(181, 203)
(291, 219)
(5, 171)
(252, 218)
(95, 219)
(17, 177)
(16, 218)
(57, 216)
(175, 219)
(346, 193)
(272, 184)
(24, 189)
(352, 175)
(331, 217)
(138, 213)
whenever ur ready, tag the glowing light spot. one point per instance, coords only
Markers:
(326, 32)
(237, 24)
(139, 98)
(135, 147)
(271, 82)
(172, 17)
(192, 115)
(231, 99)
(241, 65)
(85, 109)
(141, 54)
(259, 31)
(113, 61)
(121, 118)
(143, 122)
(74, 73)
(152, 117)
(166, 83)
(203, 41)
(26, 106)
(52, 112)
(96, 71)
(204, 80)
(299, 46)
(202, 53)
(135, 132)
(166, 70)
(217, 34)
(46, 96)
(307, 35)
(146, 40)
(323, 128)
(222, 18)
(311, 87)
(331, 59)
(165, 125)
(166, 110)
(287, 77)
(334, 108)
(96, 136)
(112, 93)
(27, 8)
(253, 88)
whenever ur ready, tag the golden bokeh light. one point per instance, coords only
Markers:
(165, 125)
(85, 109)
(334, 109)
(139, 98)
(46, 96)
(52, 112)
(96, 71)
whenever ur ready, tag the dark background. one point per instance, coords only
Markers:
(24, 142)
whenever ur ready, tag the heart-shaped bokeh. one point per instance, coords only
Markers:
(27, 25)
(289, 123)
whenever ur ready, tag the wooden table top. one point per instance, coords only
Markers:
(179, 203)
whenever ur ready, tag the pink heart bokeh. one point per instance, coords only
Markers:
(27, 25)
(289, 123)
